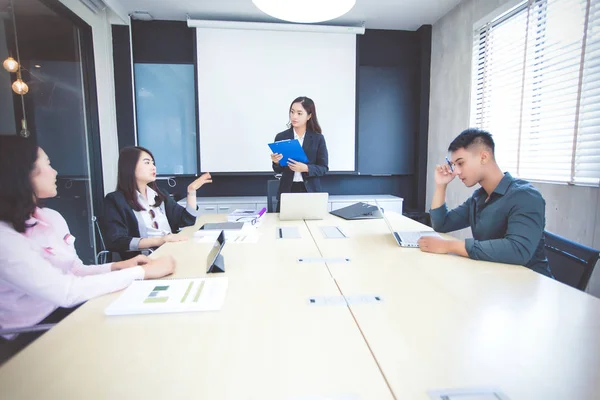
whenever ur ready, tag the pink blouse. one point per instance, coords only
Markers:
(40, 271)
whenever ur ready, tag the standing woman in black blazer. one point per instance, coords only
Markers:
(138, 215)
(298, 177)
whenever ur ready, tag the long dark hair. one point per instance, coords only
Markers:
(313, 123)
(17, 161)
(126, 182)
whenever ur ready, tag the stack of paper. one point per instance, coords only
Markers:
(169, 296)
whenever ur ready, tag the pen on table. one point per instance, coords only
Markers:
(260, 214)
(450, 165)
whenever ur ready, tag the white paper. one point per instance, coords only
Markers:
(170, 295)
(288, 232)
(248, 234)
(344, 300)
(241, 239)
(363, 299)
(230, 238)
(468, 394)
(325, 260)
(327, 301)
(332, 232)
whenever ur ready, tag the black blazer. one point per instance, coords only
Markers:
(121, 226)
(318, 159)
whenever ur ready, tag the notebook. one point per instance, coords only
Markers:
(357, 211)
(170, 296)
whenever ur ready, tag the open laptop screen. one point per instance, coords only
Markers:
(215, 251)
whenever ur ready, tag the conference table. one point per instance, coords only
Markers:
(389, 323)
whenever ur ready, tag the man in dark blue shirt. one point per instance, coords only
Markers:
(506, 215)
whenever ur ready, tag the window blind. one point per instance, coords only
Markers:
(536, 72)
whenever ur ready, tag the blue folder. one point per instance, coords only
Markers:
(289, 149)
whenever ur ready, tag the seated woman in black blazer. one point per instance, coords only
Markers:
(138, 215)
(298, 177)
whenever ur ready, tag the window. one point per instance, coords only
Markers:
(536, 88)
(166, 115)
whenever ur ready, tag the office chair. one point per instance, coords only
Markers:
(23, 338)
(272, 188)
(27, 329)
(103, 256)
(571, 263)
(419, 216)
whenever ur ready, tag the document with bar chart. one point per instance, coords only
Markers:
(169, 296)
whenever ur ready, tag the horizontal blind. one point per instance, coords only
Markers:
(536, 88)
(587, 156)
(551, 89)
(499, 50)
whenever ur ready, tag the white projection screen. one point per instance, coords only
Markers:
(247, 80)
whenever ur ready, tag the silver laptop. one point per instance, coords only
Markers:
(300, 206)
(406, 238)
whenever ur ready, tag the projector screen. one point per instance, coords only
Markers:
(247, 80)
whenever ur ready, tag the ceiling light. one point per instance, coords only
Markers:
(20, 87)
(141, 16)
(11, 65)
(307, 11)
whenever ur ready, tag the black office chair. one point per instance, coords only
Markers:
(27, 329)
(571, 263)
(103, 256)
(272, 188)
(22, 337)
(419, 216)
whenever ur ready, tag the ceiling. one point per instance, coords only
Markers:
(376, 14)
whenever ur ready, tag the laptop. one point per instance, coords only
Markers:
(214, 260)
(358, 211)
(406, 238)
(301, 206)
(222, 226)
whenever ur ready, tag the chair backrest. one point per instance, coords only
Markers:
(27, 329)
(103, 256)
(571, 263)
(272, 189)
(419, 216)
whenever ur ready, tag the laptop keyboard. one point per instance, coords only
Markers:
(410, 239)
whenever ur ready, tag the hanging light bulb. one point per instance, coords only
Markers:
(24, 131)
(11, 65)
(20, 87)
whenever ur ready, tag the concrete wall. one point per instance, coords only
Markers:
(571, 211)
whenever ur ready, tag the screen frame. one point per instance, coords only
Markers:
(215, 251)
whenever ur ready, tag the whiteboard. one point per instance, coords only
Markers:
(247, 80)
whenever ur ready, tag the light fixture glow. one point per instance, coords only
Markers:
(307, 11)
(20, 87)
(11, 65)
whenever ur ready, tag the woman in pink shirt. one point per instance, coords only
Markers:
(39, 268)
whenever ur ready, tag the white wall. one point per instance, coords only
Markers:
(105, 87)
(571, 211)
